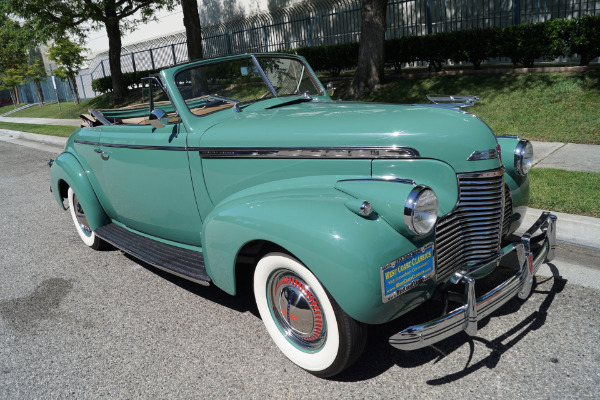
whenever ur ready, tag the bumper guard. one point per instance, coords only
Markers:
(465, 317)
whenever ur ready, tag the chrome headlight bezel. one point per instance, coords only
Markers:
(523, 157)
(420, 203)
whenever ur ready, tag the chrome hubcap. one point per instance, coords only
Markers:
(297, 310)
(81, 218)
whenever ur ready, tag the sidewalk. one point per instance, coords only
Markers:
(566, 156)
(42, 121)
(573, 229)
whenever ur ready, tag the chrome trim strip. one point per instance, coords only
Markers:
(132, 146)
(367, 152)
(507, 136)
(489, 174)
(284, 152)
(466, 317)
(142, 147)
(483, 155)
(396, 180)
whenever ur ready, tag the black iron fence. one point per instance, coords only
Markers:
(322, 22)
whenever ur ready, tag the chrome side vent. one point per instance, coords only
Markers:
(470, 234)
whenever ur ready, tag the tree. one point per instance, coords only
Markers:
(33, 72)
(10, 78)
(68, 54)
(14, 41)
(193, 30)
(369, 72)
(56, 17)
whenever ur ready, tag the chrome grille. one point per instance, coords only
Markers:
(507, 211)
(470, 234)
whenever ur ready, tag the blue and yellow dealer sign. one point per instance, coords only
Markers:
(407, 272)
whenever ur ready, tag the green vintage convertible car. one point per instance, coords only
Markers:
(344, 214)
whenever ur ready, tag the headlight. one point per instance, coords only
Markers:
(421, 210)
(523, 157)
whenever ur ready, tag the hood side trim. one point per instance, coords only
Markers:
(367, 152)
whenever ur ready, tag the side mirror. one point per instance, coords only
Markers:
(158, 118)
(330, 89)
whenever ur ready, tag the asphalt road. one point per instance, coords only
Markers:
(76, 323)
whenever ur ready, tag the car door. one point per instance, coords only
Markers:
(145, 181)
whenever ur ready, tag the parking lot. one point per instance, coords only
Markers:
(76, 323)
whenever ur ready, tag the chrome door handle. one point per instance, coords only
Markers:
(102, 153)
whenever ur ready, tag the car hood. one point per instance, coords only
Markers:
(444, 134)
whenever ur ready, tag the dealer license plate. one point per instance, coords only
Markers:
(407, 272)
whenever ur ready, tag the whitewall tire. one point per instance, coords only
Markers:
(81, 223)
(307, 325)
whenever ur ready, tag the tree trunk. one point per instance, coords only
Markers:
(38, 89)
(114, 58)
(16, 98)
(13, 96)
(369, 72)
(193, 30)
(73, 84)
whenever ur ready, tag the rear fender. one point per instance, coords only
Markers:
(66, 168)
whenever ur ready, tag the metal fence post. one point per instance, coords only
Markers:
(103, 71)
(428, 17)
(152, 59)
(309, 31)
(174, 55)
(265, 39)
(229, 34)
(133, 61)
(516, 12)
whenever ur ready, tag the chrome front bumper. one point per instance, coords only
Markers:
(465, 317)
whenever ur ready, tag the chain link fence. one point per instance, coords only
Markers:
(27, 93)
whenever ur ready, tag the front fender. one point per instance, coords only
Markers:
(344, 250)
(66, 168)
(518, 184)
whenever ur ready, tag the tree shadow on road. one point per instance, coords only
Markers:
(379, 356)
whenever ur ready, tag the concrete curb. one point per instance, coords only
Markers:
(571, 229)
(34, 137)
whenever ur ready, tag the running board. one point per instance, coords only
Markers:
(188, 264)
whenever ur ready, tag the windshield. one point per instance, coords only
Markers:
(211, 87)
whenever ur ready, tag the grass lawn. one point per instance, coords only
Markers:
(69, 110)
(52, 130)
(565, 191)
(551, 107)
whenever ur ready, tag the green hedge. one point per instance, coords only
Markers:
(331, 58)
(522, 44)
